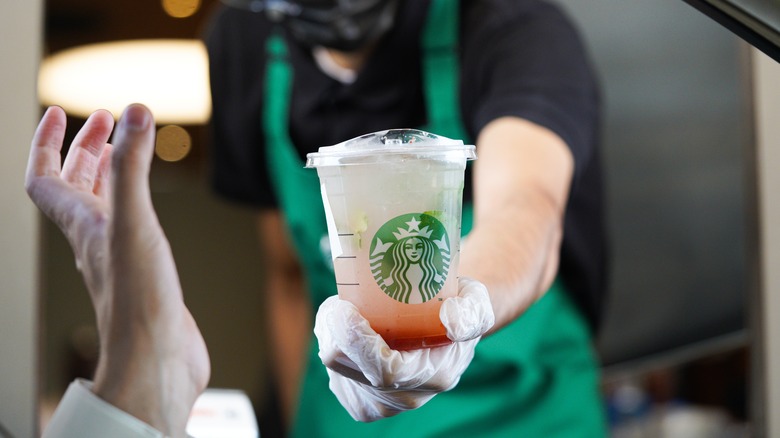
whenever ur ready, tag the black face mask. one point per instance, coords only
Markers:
(344, 25)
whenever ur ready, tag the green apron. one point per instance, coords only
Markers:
(537, 377)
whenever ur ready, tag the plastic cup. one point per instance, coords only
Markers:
(393, 203)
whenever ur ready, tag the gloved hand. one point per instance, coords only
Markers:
(373, 381)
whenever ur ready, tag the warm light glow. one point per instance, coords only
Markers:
(180, 8)
(173, 143)
(168, 76)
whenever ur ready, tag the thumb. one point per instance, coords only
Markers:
(140, 255)
(131, 161)
(470, 314)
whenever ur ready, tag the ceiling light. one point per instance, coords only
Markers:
(167, 75)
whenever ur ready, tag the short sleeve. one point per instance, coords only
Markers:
(526, 59)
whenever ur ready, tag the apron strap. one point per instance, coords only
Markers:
(441, 69)
(277, 91)
(278, 81)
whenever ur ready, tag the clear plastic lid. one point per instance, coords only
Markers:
(414, 142)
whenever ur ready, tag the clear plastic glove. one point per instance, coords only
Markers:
(373, 381)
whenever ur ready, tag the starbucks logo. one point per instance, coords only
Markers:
(410, 257)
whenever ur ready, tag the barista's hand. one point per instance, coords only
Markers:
(153, 362)
(373, 381)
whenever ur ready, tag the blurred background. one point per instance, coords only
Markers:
(677, 136)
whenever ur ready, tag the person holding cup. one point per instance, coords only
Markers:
(510, 75)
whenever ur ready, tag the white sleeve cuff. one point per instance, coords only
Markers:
(82, 414)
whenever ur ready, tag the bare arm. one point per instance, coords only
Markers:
(521, 185)
(288, 307)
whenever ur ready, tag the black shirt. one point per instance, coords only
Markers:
(518, 58)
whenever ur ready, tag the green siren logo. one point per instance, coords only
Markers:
(410, 257)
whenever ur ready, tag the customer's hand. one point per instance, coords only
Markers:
(153, 362)
(373, 381)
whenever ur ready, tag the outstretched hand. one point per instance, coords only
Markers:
(153, 361)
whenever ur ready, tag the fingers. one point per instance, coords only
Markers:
(81, 165)
(102, 186)
(46, 145)
(54, 196)
(330, 352)
(367, 404)
(44, 160)
(48, 183)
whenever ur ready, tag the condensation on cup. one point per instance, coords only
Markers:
(393, 204)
